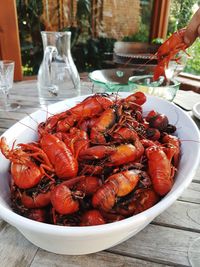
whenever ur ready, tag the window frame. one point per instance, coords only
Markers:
(160, 19)
(9, 36)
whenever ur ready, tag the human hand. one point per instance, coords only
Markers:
(193, 29)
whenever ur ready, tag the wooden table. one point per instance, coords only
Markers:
(164, 242)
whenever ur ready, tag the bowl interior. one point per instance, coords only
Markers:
(113, 79)
(190, 156)
(161, 87)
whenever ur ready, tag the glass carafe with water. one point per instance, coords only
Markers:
(58, 77)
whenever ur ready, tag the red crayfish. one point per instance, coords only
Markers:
(160, 168)
(99, 162)
(89, 107)
(168, 51)
(61, 157)
(119, 184)
(25, 172)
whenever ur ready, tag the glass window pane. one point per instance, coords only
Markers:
(142, 31)
(180, 14)
(95, 26)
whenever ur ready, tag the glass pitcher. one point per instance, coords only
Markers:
(58, 77)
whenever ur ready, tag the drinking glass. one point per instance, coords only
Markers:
(176, 66)
(161, 87)
(6, 83)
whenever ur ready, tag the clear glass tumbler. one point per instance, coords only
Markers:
(6, 83)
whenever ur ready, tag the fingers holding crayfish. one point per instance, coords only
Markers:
(168, 51)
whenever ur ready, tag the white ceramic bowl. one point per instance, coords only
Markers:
(196, 110)
(84, 240)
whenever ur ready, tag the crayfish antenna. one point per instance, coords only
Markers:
(28, 126)
(29, 115)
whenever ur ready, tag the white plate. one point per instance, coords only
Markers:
(196, 110)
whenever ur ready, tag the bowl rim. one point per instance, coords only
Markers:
(195, 110)
(21, 222)
(176, 82)
(107, 84)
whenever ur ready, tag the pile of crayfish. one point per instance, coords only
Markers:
(101, 161)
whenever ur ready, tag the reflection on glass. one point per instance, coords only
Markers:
(176, 66)
(95, 27)
(58, 76)
(160, 88)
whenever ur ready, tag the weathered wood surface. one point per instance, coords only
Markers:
(164, 242)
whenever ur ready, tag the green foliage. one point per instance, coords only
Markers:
(88, 53)
(83, 9)
(180, 15)
(143, 33)
(91, 54)
(83, 18)
(185, 12)
(193, 63)
(141, 36)
(30, 26)
(157, 41)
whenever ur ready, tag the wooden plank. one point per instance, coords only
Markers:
(15, 250)
(7, 123)
(182, 215)
(12, 118)
(101, 259)
(192, 194)
(127, 262)
(197, 176)
(145, 238)
(2, 131)
(159, 244)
